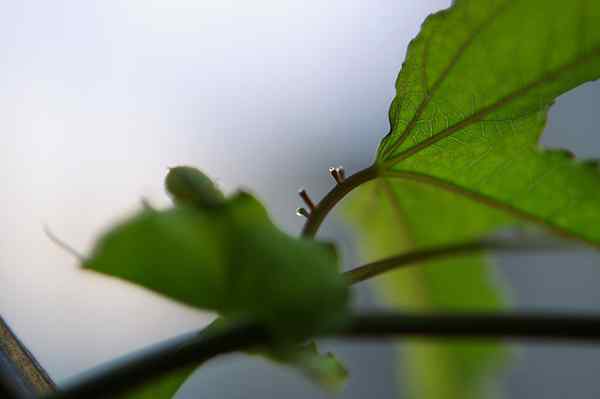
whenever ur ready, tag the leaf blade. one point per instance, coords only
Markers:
(469, 40)
(143, 248)
(478, 136)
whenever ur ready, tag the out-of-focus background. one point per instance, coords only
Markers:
(97, 99)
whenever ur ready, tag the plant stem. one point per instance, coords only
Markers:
(370, 270)
(195, 348)
(19, 370)
(334, 196)
(176, 353)
(521, 326)
(376, 268)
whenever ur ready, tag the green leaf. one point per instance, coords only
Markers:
(177, 252)
(393, 219)
(471, 103)
(291, 283)
(462, 160)
(164, 388)
(232, 259)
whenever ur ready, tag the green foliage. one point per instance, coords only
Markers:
(176, 252)
(227, 256)
(230, 259)
(462, 160)
(472, 99)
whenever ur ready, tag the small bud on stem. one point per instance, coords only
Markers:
(337, 174)
(309, 203)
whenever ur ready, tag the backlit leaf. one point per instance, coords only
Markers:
(395, 218)
(462, 159)
(472, 100)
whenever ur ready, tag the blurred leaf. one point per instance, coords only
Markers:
(187, 185)
(394, 218)
(232, 259)
(164, 388)
(293, 284)
(177, 252)
(472, 100)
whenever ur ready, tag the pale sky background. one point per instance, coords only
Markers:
(98, 98)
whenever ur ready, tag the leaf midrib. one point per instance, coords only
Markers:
(489, 202)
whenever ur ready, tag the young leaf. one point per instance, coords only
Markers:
(187, 185)
(395, 218)
(232, 259)
(472, 99)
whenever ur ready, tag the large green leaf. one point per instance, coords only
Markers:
(394, 218)
(472, 99)
(462, 159)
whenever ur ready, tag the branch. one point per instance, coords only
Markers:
(322, 209)
(195, 348)
(177, 353)
(513, 326)
(376, 268)
(20, 373)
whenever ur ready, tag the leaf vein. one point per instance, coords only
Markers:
(445, 73)
(479, 115)
(488, 201)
